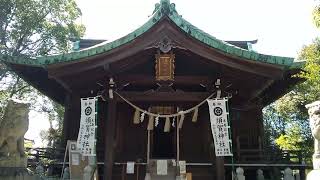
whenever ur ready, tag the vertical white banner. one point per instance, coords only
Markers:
(220, 127)
(86, 141)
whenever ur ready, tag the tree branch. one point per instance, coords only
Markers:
(13, 90)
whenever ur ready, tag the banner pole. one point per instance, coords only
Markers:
(148, 148)
(95, 172)
(178, 144)
(232, 157)
(64, 160)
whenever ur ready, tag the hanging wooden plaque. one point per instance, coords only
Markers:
(165, 67)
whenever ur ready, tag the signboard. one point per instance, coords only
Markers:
(220, 126)
(165, 67)
(86, 142)
(130, 167)
(78, 163)
(162, 167)
(183, 167)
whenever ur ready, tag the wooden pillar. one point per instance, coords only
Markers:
(66, 120)
(220, 168)
(109, 139)
(71, 122)
(110, 127)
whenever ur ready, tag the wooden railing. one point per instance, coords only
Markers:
(249, 159)
(276, 156)
(242, 156)
(35, 155)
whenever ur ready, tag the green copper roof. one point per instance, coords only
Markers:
(162, 9)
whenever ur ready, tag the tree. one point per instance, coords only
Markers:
(291, 107)
(34, 28)
(38, 27)
(55, 117)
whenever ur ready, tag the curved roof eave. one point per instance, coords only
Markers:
(162, 9)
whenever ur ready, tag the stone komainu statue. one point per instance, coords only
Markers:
(13, 126)
(314, 113)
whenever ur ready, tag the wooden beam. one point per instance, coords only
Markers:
(260, 90)
(163, 96)
(78, 82)
(46, 86)
(178, 80)
(62, 83)
(109, 139)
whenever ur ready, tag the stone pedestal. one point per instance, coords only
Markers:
(16, 161)
(314, 175)
(316, 161)
(14, 173)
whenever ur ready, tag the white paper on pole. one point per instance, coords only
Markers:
(92, 160)
(86, 138)
(174, 162)
(75, 159)
(220, 127)
(183, 168)
(130, 167)
(162, 167)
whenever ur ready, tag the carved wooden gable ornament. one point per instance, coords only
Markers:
(165, 67)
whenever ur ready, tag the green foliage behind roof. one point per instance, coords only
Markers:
(162, 9)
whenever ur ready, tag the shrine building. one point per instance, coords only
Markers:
(164, 67)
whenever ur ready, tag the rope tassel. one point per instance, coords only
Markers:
(181, 120)
(151, 123)
(156, 121)
(195, 115)
(142, 116)
(167, 125)
(173, 122)
(136, 117)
